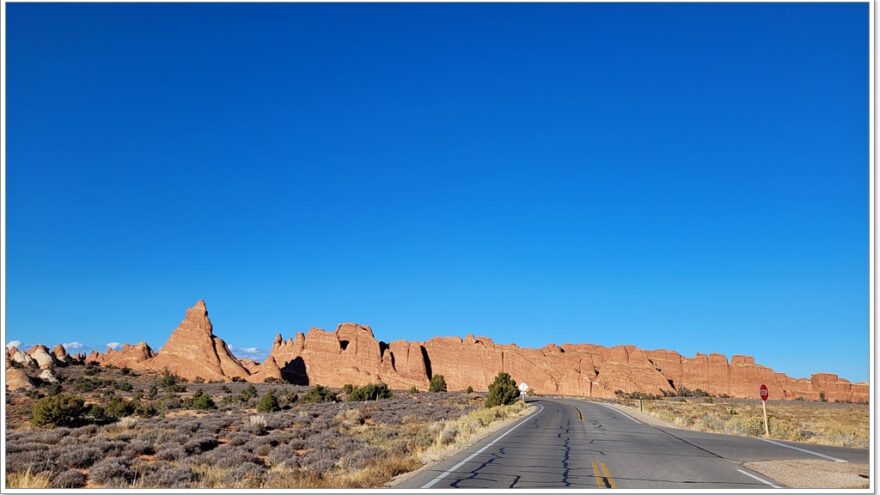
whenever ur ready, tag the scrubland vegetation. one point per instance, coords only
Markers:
(838, 424)
(113, 428)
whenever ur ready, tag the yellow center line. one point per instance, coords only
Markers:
(611, 482)
(598, 476)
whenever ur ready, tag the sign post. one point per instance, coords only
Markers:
(522, 390)
(764, 395)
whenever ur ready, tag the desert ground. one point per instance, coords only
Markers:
(103, 427)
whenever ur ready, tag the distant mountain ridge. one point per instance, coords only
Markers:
(352, 355)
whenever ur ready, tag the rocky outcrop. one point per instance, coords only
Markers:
(193, 351)
(17, 379)
(352, 355)
(41, 355)
(127, 356)
(60, 354)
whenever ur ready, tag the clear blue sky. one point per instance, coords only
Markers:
(692, 177)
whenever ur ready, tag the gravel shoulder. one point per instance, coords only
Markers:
(814, 474)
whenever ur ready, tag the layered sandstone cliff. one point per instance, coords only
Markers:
(352, 354)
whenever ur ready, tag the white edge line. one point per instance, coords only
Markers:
(468, 458)
(835, 459)
(619, 411)
(762, 480)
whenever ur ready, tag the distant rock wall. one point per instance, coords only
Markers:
(352, 354)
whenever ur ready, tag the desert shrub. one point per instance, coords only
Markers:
(360, 457)
(141, 447)
(200, 444)
(685, 392)
(502, 391)
(247, 474)
(171, 454)
(347, 388)
(124, 386)
(146, 410)
(169, 402)
(69, 479)
(438, 384)
(248, 393)
(54, 389)
(152, 392)
(470, 389)
(371, 391)
(256, 424)
(350, 417)
(201, 401)
(448, 434)
(237, 438)
(268, 403)
(168, 379)
(413, 390)
(112, 472)
(709, 422)
(319, 393)
(284, 455)
(822, 397)
(59, 410)
(226, 457)
(80, 457)
(744, 425)
(119, 408)
(848, 437)
(169, 476)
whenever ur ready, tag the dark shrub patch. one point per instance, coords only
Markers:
(268, 403)
(199, 445)
(372, 391)
(60, 410)
(69, 479)
(502, 391)
(317, 394)
(438, 384)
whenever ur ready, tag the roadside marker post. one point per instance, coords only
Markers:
(522, 390)
(764, 395)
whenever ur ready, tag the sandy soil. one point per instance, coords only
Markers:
(814, 474)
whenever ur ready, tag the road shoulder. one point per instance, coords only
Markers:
(443, 456)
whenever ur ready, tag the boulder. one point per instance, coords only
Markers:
(17, 379)
(48, 376)
(60, 354)
(41, 355)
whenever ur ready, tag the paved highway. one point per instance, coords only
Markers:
(582, 444)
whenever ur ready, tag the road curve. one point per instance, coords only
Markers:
(581, 444)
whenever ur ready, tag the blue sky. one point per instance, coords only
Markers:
(691, 177)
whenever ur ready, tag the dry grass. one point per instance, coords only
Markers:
(453, 434)
(841, 425)
(28, 479)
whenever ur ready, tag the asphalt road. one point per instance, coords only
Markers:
(582, 444)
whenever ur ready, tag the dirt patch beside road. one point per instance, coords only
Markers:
(814, 474)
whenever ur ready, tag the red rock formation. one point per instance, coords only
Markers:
(60, 353)
(130, 356)
(353, 355)
(193, 351)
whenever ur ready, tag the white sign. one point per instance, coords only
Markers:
(523, 387)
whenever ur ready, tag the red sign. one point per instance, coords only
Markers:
(764, 392)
